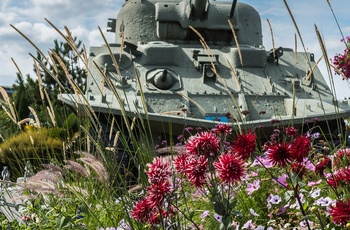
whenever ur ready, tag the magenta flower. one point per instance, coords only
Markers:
(244, 145)
(342, 62)
(196, 170)
(252, 187)
(300, 148)
(222, 129)
(230, 168)
(313, 183)
(279, 154)
(204, 143)
(180, 162)
(340, 213)
(158, 170)
(283, 180)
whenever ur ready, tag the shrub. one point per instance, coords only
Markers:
(34, 145)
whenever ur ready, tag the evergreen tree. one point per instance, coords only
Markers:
(71, 62)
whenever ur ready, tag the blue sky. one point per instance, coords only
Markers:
(83, 18)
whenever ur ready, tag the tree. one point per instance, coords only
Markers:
(71, 63)
(21, 98)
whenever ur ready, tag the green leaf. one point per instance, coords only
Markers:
(233, 204)
(219, 208)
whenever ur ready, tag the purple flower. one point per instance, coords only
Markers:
(324, 201)
(251, 187)
(218, 218)
(249, 225)
(263, 162)
(253, 213)
(312, 183)
(204, 214)
(315, 193)
(274, 199)
(283, 180)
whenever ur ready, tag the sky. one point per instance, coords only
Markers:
(84, 17)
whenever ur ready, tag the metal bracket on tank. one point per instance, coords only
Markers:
(205, 63)
(111, 24)
(274, 55)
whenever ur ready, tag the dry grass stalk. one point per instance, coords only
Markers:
(112, 55)
(206, 47)
(95, 164)
(43, 182)
(116, 139)
(272, 38)
(298, 31)
(51, 115)
(5, 96)
(37, 122)
(39, 80)
(30, 41)
(24, 197)
(76, 189)
(76, 167)
(236, 40)
(295, 49)
(313, 68)
(235, 76)
(53, 167)
(74, 86)
(111, 129)
(25, 120)
(46, 175)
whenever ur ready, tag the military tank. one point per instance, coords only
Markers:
(181, 63)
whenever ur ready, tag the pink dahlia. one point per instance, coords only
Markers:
(158, 170)
(340, 213)
(322, 165)
(279, 154)
(180, 162)
(244, 145)
(196, 170)
(300, 148)
(291, 131)
(230, 168)
(157, 192)
(222, 129)
(204, 143)
(341, 176)
(142, 211)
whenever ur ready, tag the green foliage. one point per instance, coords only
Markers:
(8, 128)
(21, 99)
(35, 145)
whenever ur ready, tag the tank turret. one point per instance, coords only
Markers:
(200, 62)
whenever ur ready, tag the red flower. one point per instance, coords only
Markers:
(321, 166)
(230, 168)
(298, 168)
(180, 162)
(340, 176)
(291, 131)
(244, 145)
(340, 213)
(204, 143)
(279, 154)
(222, 129)
(143, 211)
(300, 148)
(158, 171)
(156, 193)
(196, 170)
(340, 156)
